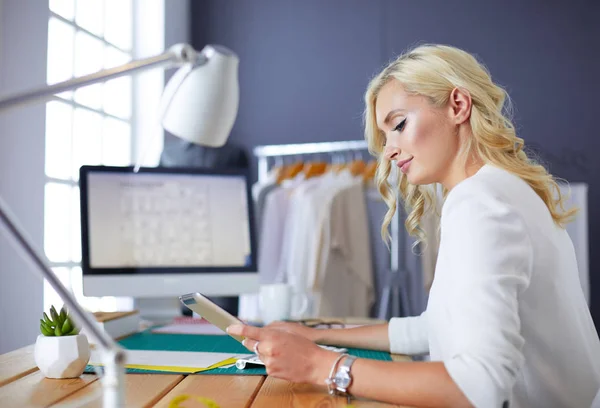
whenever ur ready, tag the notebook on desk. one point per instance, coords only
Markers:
(172, 361)
(148, 340)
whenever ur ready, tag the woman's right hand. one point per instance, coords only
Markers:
(295, 328)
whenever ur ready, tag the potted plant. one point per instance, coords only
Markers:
(60, 350)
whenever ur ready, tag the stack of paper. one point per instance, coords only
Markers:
(172, 361)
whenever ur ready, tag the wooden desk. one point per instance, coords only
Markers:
(22, 385)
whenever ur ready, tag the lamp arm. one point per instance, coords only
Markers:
(176, 55)
(83, 317)
(113, 355)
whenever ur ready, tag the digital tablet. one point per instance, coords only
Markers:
(211, 312)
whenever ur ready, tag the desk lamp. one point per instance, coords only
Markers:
(199, 104)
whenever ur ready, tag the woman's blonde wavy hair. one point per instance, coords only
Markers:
(433, 71)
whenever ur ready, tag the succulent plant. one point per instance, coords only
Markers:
(58, 324)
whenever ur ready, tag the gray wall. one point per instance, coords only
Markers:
(177, 30)
(24, 34)
(304, 66)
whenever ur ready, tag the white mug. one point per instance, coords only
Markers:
(275, 302)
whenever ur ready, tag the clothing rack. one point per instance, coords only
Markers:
(395, 289)
(299, 149)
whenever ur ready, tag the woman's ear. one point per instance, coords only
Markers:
(460, 105)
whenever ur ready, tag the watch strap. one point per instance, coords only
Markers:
(347, 363)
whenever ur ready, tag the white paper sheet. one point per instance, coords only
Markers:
(190, 359)
(187, 328)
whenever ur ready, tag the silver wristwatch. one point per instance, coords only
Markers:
(342, 378)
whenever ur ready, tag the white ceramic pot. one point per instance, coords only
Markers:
(62, 357)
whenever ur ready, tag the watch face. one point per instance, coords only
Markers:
(342, 380)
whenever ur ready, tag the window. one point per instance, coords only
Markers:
(91, 125)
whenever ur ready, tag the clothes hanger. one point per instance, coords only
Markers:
(290, 171)
(341, 163)
(369, 171)
(338, 163)
(282, 170)
(357, 166)
(315, 168)
(278, 165)
(295, 168)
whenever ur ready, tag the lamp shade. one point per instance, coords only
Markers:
(200, 102)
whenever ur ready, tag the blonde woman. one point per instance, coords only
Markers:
(506, 323)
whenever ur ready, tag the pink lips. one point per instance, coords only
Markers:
(404, 165)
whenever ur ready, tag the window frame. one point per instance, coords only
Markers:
(71, 265)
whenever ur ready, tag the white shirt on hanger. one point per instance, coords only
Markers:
(271, 232)
(317, 205)
(506, 312)
(342, 276)
(300, 231)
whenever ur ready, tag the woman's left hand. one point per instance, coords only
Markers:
(286, 355)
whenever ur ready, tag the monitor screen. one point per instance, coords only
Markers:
(158, 221)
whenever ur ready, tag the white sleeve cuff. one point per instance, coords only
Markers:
(408, 335)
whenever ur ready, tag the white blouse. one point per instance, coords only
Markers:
(506, 312)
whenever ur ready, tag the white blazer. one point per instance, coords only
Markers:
(506, 311)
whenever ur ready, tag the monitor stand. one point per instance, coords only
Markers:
(159, 310)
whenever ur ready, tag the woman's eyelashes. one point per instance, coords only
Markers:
(400, 126)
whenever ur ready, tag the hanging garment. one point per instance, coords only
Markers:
(414, 263)
(271, 242)
(343, 280)
(299, 234)
(380, 252)
(260, 191)
(578, 230)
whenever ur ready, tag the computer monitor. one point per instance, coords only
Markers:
(164, 232)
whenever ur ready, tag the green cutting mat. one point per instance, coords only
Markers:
(209, 343)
